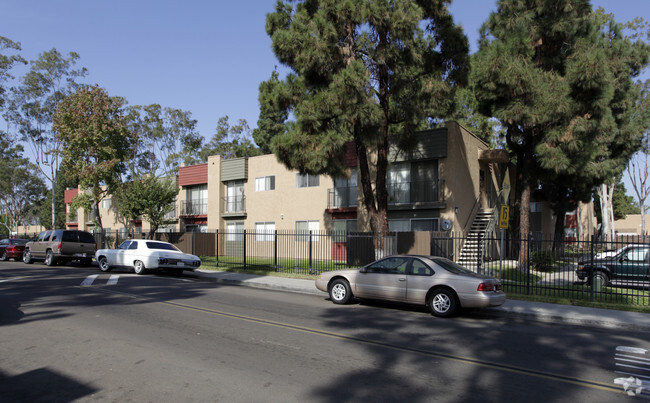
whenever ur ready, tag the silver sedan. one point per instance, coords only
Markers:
(442, 285)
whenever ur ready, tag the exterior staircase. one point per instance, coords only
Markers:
(480, 226)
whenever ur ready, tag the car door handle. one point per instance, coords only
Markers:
(402, 279)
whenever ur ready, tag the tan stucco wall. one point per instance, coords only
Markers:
(631, 224)
(287, 203)
(461, 171)
(215, 194)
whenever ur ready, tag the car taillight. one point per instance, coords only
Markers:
(486, 287)
(60, 245)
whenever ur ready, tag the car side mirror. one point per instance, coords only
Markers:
(363, 270)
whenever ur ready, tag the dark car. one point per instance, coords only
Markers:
(61, 246)
(12, 248)
(629, 264)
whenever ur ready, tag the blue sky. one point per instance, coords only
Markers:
(207, 57)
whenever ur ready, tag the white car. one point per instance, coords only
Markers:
(145, 254)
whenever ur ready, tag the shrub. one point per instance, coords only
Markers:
(542, 260)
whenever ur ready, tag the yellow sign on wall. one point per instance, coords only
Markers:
(504, 217)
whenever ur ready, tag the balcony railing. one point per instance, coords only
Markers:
(342, 197)
(234, 204)
(172, 215)
(194, 207)
(414, 192)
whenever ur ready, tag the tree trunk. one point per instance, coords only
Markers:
(604, 211)
(558, 236)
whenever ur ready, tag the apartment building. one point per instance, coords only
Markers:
(440, 184)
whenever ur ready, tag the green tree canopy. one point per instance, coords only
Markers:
(95, 142)
(21, 186)
(559, 78)
(150, 197)
(50, 79)
(360, 71)
(7, 61)
(163, 139)
(231, 141)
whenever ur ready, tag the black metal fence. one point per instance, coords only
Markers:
(617, 271)
(539, 266)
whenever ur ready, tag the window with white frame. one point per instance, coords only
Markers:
(107, 203)
(264, 183)
(264, 231)
(235, 231)
(306, 180)
(303, 228)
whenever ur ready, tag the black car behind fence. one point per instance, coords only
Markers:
(614, 272)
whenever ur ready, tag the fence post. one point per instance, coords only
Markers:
(244, 246)
(275, 250)
(591, 275)
(528, 264)
(310, 251)
(216, 248)
(478, 257)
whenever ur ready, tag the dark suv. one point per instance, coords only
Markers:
(54, 246)
(629, 264)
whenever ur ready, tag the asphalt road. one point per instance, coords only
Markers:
(65, 336)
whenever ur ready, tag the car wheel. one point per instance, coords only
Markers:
(599, 275)
(340, 292)
(443, 303)
(27, 257)
(103, 264)
(49, 258)
(4, 256)
(138, 267)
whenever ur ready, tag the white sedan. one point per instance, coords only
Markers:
(144, 254)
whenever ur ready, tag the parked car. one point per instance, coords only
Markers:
(438, 283)
(12, 248)
(61, 246)
(628, 264)
(143, 255)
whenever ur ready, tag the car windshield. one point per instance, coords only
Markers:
(19, 241)
(161, 245)
(451, 266)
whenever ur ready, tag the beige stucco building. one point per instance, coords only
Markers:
(445, 183)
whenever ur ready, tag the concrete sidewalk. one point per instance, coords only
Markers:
(543, 312)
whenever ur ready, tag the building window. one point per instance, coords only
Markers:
(416, 182)
(107, 203)
(197, 200)
(305, 181)
(264, 231)
(235, 231)
(341, 228)
(345, 191)
(235, 196)
(194, 228)
(303, 228)
(415, 224)
(264, 183)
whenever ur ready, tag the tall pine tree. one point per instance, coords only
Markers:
(558, 76)
(361, 71)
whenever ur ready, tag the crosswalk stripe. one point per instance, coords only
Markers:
(113, 279)
(89, 280)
